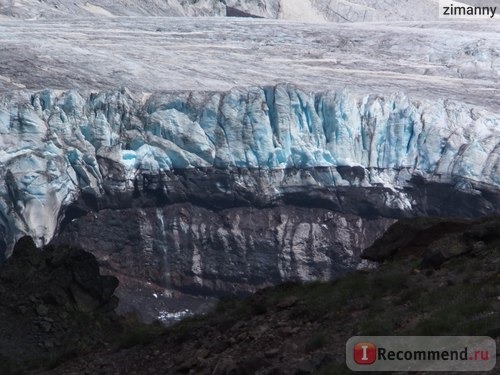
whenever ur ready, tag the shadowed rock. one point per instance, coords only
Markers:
(434, 240)
(65, 276)
(54, 302)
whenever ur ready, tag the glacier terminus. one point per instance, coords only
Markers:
(369, 157)
(223, 155)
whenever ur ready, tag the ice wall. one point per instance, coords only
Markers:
(56, 145)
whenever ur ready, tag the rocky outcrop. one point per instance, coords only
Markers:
(303, 328)
(53, 303)
(235, 250)
(435, 240)
(62, 276)
(260, 8)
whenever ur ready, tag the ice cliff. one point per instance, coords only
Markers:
(64, 154)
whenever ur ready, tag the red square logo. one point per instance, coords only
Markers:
(365, 353)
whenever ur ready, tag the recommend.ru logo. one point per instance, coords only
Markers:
(421, 353)
(365, 353)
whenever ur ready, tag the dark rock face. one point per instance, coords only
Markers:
(233, 12)
(414, 234)
(233, 250)
(435, 240)
(70, 276)
(53, 302)
(235, 230)
(220, 188)
(297, 328)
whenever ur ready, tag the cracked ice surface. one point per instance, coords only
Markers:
(421, 98)
(55, 145)
(432, 60)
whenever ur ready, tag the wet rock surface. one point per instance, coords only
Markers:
(181, 230)
(230, 251)
(436, 240)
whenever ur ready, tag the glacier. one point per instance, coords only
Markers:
(305, 10)
(161, 54)
(208, 174)
(29, 9)
(60, 146)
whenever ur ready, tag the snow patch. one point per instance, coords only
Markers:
(166, 316)
(97, 10)
(301, 10)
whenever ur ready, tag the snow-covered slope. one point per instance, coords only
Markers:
(376, 10)
(302, 10)
(35, 9)
(341, 10)
(299, 10)
(441, 60)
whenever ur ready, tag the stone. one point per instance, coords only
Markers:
(84, 301)
(202, 353)
(445, 248)
(253, 363)
(48, 344)
(188, 364)
(271, 353)
(24, 248)
(226, 366)
(287, 302)
(42, 310)
(478, 246)
(46, 326)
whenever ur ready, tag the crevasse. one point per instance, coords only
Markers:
(55, 145)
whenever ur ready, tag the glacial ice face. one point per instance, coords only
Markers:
(284, 127)
(56, 145)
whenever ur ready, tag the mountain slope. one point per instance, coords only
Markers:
(34, 9)
(376, 10)
(55, 304)
(301, 10)
(303, 329)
